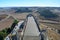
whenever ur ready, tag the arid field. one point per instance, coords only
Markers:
(6, 23)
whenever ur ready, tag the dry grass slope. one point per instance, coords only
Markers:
(6, 23)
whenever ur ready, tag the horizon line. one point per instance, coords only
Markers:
(31, 6)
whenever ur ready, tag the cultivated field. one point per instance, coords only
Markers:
(6, 23)
(3, 16)
(19, 16)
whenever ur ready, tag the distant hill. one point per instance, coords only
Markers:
(48, 14)
(27, 9)
(21, 10)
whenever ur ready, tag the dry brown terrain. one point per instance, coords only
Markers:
(3, 16)
(51, 25)
(19, 16)
(6, 23)
(52, 35)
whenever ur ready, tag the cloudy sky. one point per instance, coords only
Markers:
(27, 3)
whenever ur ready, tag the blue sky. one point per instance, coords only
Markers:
(22, 3)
